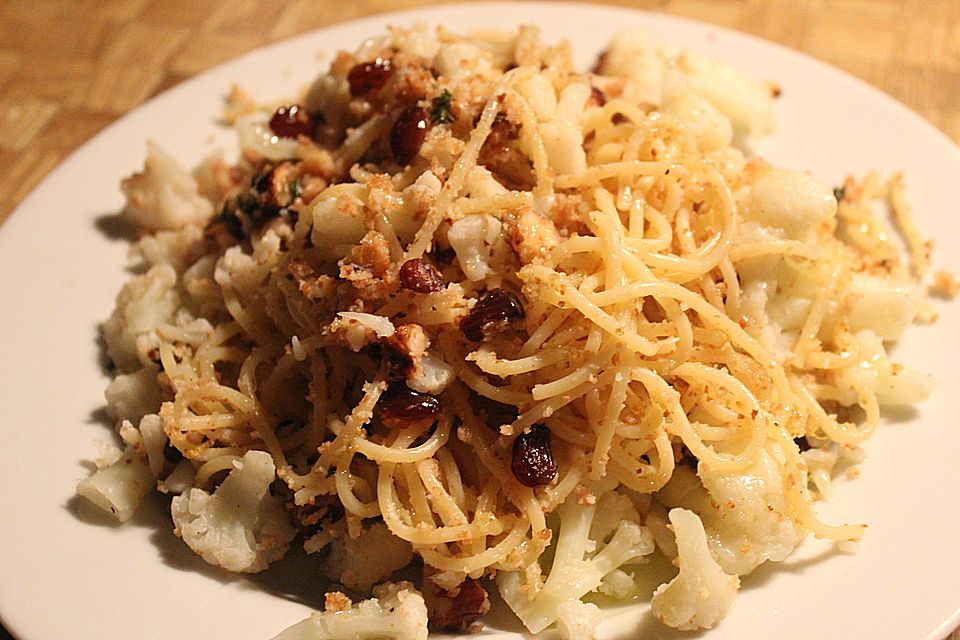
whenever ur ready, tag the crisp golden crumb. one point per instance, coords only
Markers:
(336, 601)
(945, 285)
(239, 103)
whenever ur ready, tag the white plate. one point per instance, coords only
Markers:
(66, 574)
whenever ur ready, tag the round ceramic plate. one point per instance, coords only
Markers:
(67, 573)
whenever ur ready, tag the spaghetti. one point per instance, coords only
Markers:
(566, 295)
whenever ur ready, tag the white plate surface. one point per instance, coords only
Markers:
(65, 573)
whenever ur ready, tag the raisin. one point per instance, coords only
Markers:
(459, 610)
(494, 308)
(533, 463)
(369, 77)
(408, 134)
(420, 276)
(292, 121)
(400, 406)
(803, 443)
(597, 98)
(494, 414)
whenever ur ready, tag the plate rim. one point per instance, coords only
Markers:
(8, 229)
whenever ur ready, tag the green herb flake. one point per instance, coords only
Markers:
(839, 193)
(441, 112)
(296, 188)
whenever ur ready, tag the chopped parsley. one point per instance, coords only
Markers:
(296, 188)
(441, 112)
(839, 193)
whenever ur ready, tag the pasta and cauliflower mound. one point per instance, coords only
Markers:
(466, 311)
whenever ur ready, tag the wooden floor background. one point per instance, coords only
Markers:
(64, 64)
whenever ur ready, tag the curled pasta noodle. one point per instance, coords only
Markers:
(486, 305)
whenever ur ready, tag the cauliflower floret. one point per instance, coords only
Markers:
(338, 222)
(701, 594)
(361, 562)
(475, 239)
(179, 248)
(573, 575)
(240, 527)
(120, 487)
(154, 440)
(632, 55)
(893, 383)
(578, 620)
(884, 305)
(793, 201)
(710, 127)
(562, 137)
(744, 512)
(360, 329)
(396, 611)
(457, 61)
(144, 303)
(748, 104)
(130, 396)
(538, 91)
(164, 195)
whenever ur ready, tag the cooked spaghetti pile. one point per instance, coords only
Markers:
(467, 309)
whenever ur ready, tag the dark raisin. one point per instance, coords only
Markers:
(533, 463)
(457, 611)
(493, 309)
(601, 62)
(227, 221)
(399, 363)
(408, 134)
(597, 99)
(400, 406)
(420, 276)
(494, 414)
(369, 77)
(262, 181)
(292, 121)
(803, 443)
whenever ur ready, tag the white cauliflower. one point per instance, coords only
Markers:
(578, 620)
(144, 303)
(476, 239)
(120, 487)
(154, 440)
(361, 562)
(793, 201)
(708, 125)
(634, 56)
(562, 137)
(130, 396)
(179, 248)
(396, 612)
(583, 528)
(748, 103)
(360, 329)
(884, 305)
(701, 594)
(240, 527)
(893, 383)
(164, 195)
(744, 512)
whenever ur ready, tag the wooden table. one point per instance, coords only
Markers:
(64, 63)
